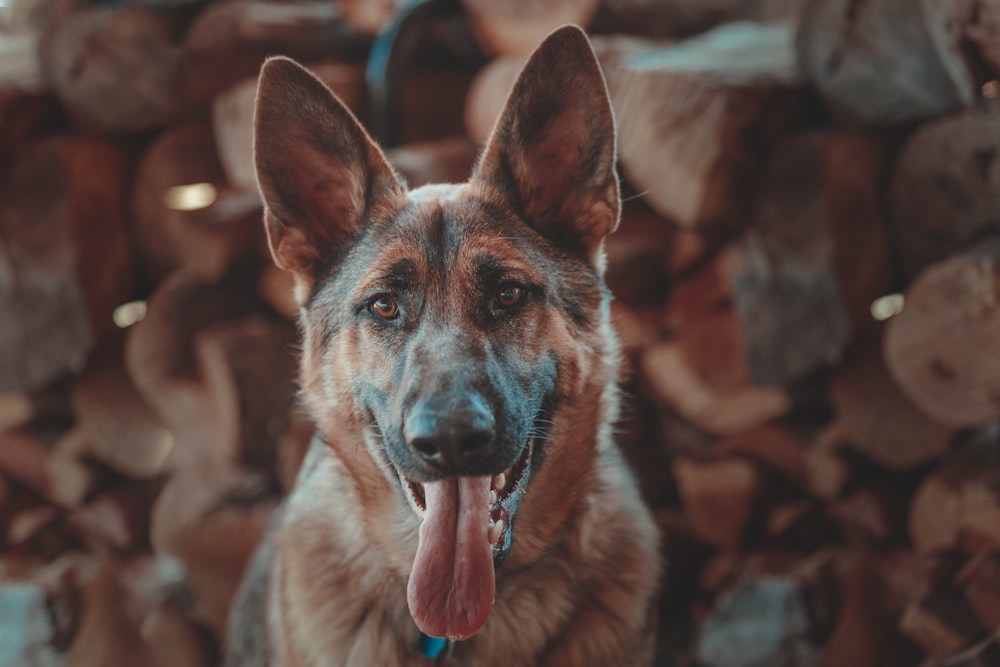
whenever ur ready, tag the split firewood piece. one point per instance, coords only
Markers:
(703, 378)
(772, 619)
(984, 653)
(647, 254)
(221, 378)
(875, 514)
(114, 69)
(20, 64)
(22, 118)
(697, 118)
(941, 624)
(448, 160)
(985, 32)
(980, 580)
(865, 633)
(719, 497)
(117, 520)
(26, 457)
(883, 62)
(816, 256)
(215, 549)
(108, 633)
(943, 349)
(827, 472)
(229, 41)
(114, 424)
(173, 640)
(369, 17)
(66, 257)
(233, 109)
(185, 213)
(702, 371)
(945, 187)
(517, 27)
(878, 419)
(957, 506)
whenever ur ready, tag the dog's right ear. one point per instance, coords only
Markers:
(318, 170)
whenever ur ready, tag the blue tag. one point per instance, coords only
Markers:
(432, 646)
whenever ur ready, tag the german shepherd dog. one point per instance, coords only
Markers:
(464, 499)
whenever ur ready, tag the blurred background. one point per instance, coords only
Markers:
(807, 281)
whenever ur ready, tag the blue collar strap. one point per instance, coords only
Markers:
(433, 647)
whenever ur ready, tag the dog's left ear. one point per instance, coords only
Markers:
(553, 146)
(319, 172)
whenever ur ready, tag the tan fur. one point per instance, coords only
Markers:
(579, 586)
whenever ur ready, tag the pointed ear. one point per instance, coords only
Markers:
(553, 146)
(319, 172)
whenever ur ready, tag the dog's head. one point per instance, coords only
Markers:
(456, 330)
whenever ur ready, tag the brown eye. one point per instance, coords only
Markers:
(509, 295)
(384, 306)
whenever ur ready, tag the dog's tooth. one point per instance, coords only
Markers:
(499, 482)
(496, 530)
(493, 497)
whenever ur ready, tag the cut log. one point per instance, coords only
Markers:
(883, 62)
(945, 187)
(696, 120)
(693, 128)
(229, 41)
(185, 213)
(718, 497)
(878, 420)
(233, 109)
(114, 69)
(957, 506)
(65, 261)
(943, 349)
(980, 580)
(816, 256)
(516, 27)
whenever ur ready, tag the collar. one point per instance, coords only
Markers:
(435, 647)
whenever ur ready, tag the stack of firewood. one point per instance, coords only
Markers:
(807, 281)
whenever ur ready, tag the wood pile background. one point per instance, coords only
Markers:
(807, 280)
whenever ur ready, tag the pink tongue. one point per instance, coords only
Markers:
(452, 583)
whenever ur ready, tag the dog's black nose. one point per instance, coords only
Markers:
(453, 433)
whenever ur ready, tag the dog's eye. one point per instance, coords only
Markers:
(509, 295)
(384, 306)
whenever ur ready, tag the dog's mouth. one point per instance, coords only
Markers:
(466, 532)
(505, 492)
